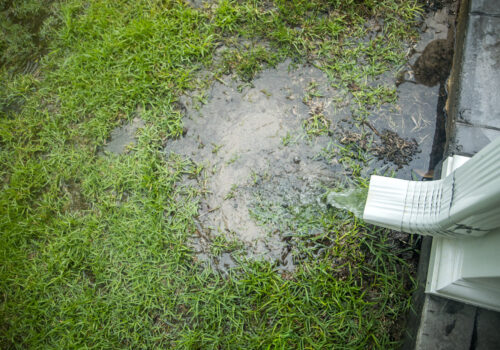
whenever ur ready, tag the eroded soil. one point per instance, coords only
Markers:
(271, 149)
(254, 147)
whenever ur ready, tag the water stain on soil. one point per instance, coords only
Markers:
(433, 66)
(124, 136)
(262, 147)
(247, 140)
(75, 199)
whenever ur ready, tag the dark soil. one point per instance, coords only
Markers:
(433, 66)
(388, 145)
(395, 149)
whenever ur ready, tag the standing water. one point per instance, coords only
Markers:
(352, 199)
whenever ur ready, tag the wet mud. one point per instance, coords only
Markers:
(124, 136)
(254, 149)
(419, 112)
(263, 146)
(433, 65)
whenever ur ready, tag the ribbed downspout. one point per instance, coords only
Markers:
(465, 203)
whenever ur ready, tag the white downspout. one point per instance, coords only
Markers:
(465, 203)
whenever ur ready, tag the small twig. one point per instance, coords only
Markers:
(208, 211)
(220, 80)
(201, 232)
(372, 127)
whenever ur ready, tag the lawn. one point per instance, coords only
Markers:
(95, 249)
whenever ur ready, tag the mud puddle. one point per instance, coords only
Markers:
(267, 153)
(254, 149)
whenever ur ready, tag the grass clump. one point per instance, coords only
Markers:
(316, 125)
(352, 41)
(95, 250)
(26, 27)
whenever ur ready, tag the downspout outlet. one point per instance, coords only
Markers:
(466, 203)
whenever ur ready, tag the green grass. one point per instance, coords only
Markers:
(316, 125)
(94, 247)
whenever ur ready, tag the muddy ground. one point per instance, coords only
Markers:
(272, 149)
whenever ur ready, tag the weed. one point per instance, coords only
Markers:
(222, 244)
(316, 125)
(285, 141)
(246, 63)
(233, 159)
(216, 148)
(265, 92)
(311, 93)
(232, 192)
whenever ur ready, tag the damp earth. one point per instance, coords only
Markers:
(123, 137)
(272, 150)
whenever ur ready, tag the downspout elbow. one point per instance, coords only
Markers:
(463, 204)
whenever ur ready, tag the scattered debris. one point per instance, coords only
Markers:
(395, 148)
(389, 146)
